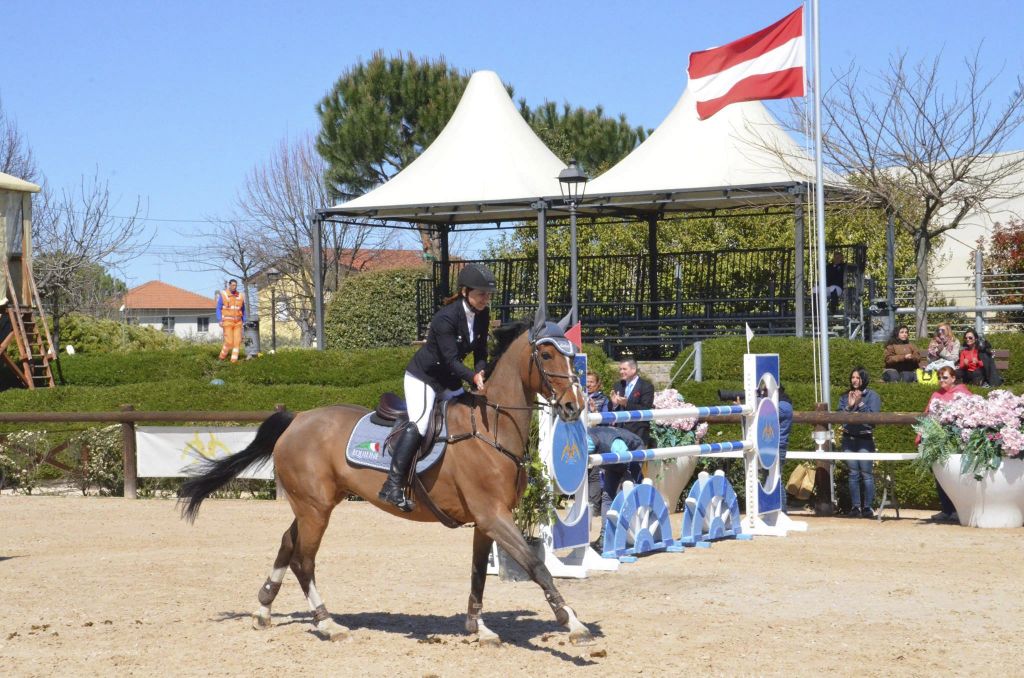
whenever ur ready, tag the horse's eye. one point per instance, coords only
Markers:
(545, 356)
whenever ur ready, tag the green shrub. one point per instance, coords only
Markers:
(374, 309)
(96, 335)
(104, 451)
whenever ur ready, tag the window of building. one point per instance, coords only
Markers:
(202, 325)
(167, 323)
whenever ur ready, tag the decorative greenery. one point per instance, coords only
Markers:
(103, 467)
(96, 335)
(982, 430)
(537, 505)
(24, 451)
(374, 309)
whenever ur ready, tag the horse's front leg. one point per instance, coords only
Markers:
(508, 536)
(474, 621)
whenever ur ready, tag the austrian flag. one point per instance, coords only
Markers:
(768, 64)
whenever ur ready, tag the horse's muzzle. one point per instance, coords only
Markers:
(568, 411)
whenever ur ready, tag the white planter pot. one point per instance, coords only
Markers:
(997, 500)
(670, 478)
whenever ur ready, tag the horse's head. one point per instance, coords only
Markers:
(549, 371)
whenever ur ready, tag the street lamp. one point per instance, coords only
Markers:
(272, 278)
(572, 181)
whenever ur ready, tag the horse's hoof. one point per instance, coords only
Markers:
(335, 632)
(581, 637)
(491, 640)
(260, 622)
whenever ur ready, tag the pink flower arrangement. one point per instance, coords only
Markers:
(998, 418)
(671, 399)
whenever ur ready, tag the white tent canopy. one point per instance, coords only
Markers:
(485, 165)
(9, 183)
(738, 157)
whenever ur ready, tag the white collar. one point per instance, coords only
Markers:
(470, 313)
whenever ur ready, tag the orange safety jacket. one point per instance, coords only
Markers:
(232, 306)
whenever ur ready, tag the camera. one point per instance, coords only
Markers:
(727, 396)
(731, 396)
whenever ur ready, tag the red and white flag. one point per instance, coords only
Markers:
(768, 64)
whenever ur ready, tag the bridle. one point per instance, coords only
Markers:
(546, 375)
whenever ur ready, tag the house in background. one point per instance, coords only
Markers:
(174, 310)
(273, 287)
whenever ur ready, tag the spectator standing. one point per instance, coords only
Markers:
(860, 438)
(232, 314)
(604, 439)
(597, 401)
(633, 392)
(902, 359)
(948, 389)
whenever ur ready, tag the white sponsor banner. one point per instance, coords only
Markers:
(169, 451)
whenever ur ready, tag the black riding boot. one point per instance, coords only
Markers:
(402, 453)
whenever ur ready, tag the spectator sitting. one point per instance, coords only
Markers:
(975, 364)
(943, 348)
(785, 424)
(948, 388)
(902, 359)
(835, 281)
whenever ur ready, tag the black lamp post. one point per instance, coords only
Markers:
(272, 278)
(572, 181)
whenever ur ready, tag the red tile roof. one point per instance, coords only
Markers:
(159, 295)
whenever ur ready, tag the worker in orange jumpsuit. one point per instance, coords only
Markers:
(231, 314)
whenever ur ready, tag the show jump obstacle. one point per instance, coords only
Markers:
(638, 520)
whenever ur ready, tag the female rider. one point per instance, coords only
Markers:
(437, 370)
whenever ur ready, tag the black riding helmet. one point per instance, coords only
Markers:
(477, 277)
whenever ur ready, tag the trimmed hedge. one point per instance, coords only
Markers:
(287, 366)
(374, 309)
(723, 358)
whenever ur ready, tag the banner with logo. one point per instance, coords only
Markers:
(169, 451)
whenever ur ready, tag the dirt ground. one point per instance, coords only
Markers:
(111, 586)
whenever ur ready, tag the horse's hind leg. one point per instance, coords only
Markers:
(508, 536)
(474, 622)
(311, 527)
(267, 593)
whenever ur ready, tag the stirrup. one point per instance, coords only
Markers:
(395, 496)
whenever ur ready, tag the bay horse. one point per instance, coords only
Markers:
(480, 478)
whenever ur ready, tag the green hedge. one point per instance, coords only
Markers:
(96, 335)
(374, 309)
(723, 358)
(287, 366)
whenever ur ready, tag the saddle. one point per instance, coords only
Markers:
(392, 411)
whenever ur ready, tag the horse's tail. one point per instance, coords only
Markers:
(215, 473)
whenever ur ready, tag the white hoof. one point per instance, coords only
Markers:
(578, 633)
(333, 631)
(261, 619)
(486, 637)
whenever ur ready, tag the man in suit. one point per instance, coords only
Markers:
(633, 392)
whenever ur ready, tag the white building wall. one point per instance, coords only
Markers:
(186, 324)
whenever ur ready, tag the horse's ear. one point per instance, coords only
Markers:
(538, 323)
(564, 322)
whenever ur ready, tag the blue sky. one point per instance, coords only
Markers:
(176, 102)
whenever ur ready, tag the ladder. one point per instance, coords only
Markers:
(26, 327)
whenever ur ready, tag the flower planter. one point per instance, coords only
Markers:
(510, 570)
(670, 478)
(997, 500)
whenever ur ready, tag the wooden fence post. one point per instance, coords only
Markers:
(279, 492)
(823, 504)
(131, 479)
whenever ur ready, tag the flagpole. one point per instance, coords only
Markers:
(819, 209)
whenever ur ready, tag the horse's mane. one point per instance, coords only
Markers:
(503, 338)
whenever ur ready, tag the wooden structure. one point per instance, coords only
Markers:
(22, 324)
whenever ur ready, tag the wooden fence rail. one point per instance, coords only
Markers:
(128, 417)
